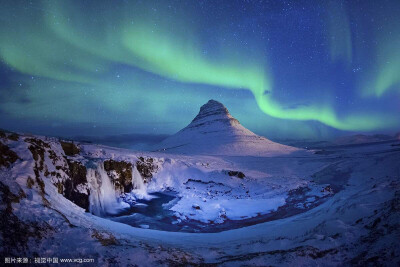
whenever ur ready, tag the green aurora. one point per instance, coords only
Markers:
(61, 52)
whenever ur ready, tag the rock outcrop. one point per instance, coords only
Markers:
(7, 156)
(146, 167)
(120, 173)
(62, 163)
(237, 174)
(68, 175)
(75, 188)
(70, 149)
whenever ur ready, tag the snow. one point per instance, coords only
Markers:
(363, 139)
(103, 197)
(215, 132)
(234, 209)
(359, 221)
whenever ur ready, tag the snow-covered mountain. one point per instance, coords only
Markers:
(215, 132)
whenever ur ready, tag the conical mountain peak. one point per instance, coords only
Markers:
(215, 132)
(212, 107)
(213, 111)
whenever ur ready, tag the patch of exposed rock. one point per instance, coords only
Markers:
(237, 174)
(14, 233)
(146, 167)
(75, 189)
(70, 149)
(69, 176)
(7, 156)
(9, 135)
(121, 174)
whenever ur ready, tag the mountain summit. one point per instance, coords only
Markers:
(214, 131)
(213, 113)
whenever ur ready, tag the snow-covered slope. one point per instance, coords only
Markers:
(362, 139)
(215, 132)
(340, 208)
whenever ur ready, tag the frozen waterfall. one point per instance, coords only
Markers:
(103, 198)
(139, 188)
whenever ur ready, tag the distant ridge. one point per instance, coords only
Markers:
(215, 132)
(363, 139)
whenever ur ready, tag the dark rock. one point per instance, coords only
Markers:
(13, 137)
(8, 197)
(9, 135)
(14, 233)
(123, 180)
(190, 180)
(75, 170)
(237, 174)
(146, 167)
(37, 142)
(7, 156)
(30, 182)
(70, 149)
(37, 148)
(105, 238)
(53, 156)
(70, 192)
(196, 207)
(77, 173)
(60, 187)
(327, 189)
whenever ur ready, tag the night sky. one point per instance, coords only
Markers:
(284, 69)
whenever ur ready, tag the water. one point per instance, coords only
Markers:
(151, 212)
(154, 213)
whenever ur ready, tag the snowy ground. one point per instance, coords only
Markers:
(347, 203)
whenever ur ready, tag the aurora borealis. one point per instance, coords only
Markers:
(305, 69)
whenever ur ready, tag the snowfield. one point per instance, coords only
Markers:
(212, 194)
(337, 208)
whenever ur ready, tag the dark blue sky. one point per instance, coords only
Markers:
(285, 69)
